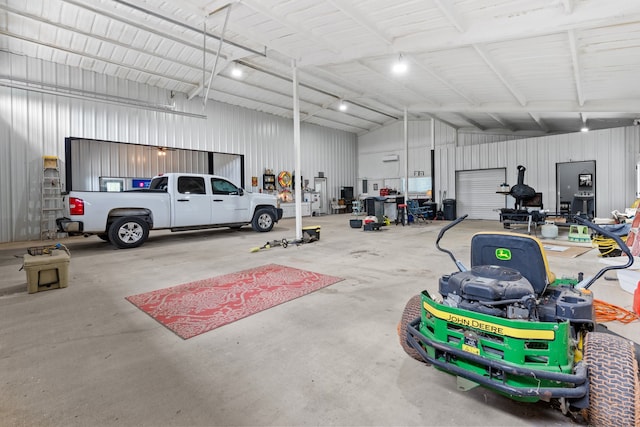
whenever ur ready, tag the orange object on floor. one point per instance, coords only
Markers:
(606, 312)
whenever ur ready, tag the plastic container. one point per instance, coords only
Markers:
(355, 223)
(549, 230)
(628, 280)
(46, 271)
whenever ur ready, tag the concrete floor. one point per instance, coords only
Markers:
(84, 356)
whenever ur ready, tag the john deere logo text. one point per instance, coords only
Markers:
(503, 254)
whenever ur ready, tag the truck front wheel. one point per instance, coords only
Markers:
(263, 220)
(128, 232)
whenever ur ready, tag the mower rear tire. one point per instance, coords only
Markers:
(411, 312)
(614, 390)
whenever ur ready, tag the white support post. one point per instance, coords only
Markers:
(406, 164)
(297, 192)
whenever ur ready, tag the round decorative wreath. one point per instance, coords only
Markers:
(284, 179)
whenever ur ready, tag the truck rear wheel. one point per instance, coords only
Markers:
(614, 391)
(128, 232)
(263, 220)
(411, 312)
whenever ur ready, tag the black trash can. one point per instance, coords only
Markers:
(449, 209)
(375, 206)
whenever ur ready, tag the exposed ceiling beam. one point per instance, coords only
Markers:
(446, 122)
(576, 66)
(605, 106)
(485, 57)
(140, 26)
(539, 121)
(85, 55)
(328, 105)
(161, 16)
(541, 22)
(395, 82)
(441, 79)
(319, 90)
(95, 36)
(298, 29)
(502, 122)
(471, 122)
(452, 14)
(358, 18)
(568, 6)
(96, 97)
(356, 92)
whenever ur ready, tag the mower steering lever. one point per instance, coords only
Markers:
(618, 241)
(458, 263)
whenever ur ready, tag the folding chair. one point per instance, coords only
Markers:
(418, 213)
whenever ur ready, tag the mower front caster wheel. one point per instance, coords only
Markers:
(411, 312)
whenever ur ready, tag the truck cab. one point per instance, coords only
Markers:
(175, 201)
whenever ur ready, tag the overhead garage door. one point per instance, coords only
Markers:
(476, 193)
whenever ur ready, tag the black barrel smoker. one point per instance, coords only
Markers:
(523, 195)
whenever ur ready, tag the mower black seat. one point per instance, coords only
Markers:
(516, 251)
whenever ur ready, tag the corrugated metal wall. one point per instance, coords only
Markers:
(92, 159)
(614, 150)
(389, 140)
(33, 124)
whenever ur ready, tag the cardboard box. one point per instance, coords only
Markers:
(47, 271)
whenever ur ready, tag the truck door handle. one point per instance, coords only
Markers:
(183, 200)
(218, 200)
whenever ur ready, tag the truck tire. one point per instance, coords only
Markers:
(263, 220)
(128, 232)
(614, 391)
(411, 312)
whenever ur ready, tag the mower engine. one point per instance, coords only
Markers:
(504, 292)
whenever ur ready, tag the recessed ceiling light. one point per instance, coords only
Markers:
(342, 106)
(584, 129)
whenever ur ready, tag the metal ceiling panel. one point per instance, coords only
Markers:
(517, 66)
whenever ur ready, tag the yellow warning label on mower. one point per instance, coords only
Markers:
(493, 328)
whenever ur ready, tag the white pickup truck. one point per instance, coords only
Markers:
(175, 201)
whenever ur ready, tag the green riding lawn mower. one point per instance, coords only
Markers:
(508, 324)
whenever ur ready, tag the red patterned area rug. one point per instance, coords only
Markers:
(197, 307)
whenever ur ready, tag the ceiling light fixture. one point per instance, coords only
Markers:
(236, 72)
(400, 67)
(342, 106)
(584, 129)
